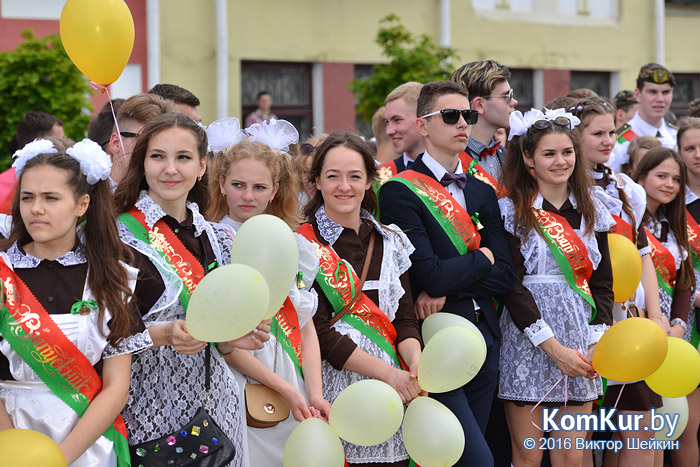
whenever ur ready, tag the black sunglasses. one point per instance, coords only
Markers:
(128, 134)
(451, 116)
(545, 123)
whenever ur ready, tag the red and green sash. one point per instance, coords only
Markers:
(337, 280)
(385, 172)
(37, 339)
(694, 241)
(622, 227)
(169, 247)
(570, 253)
(285, 328)
(664, 263)
(452, 217)
(472, 167)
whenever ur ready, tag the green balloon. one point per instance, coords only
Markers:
(451, 359)
(366, 413)
(267, 244)
(432, 434)
(227, 304)
(313, 444)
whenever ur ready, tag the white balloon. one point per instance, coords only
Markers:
(444, 319)
(228, 303)
(312, 443)
(432, 434)
(366, 413)
(673, 406)
(451, 359)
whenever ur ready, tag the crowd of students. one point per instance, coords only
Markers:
(459, 222)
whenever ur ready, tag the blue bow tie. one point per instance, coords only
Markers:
(459, 179)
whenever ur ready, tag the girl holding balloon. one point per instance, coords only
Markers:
(248, 178)
(689, 149)
(364, 340)
(562, 300)
(162, 195)
(64, 244)
(626, 202)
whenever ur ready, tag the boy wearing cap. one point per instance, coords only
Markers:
(626, 106)
(654, 92)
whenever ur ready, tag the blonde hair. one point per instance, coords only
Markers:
(409, 92)
(379, 126)
(283, 205)
(480, 77)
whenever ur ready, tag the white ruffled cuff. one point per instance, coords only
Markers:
(645, 251)
(595, 332)
(538, 332)
(679, 322)
(129, 345)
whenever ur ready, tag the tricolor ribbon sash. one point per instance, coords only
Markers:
(569, 251)
(694, 242)
(39, 341)
(454, 220)
(623, 228)
(664, 263)
(169, 247)
(338, 281)
(472, 167)
(385, 172)
(285, 328)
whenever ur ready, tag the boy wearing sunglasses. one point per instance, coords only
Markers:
(490, 95)
(462, 258)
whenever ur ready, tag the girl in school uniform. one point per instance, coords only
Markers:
(562, 300)
(253, 176)
(68, 297)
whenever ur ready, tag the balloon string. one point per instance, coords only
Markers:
(566, 383)
(619, 395)
(101, 88)
(566, 396)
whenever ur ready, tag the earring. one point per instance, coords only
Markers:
(199, 179)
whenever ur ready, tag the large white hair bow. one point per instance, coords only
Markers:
(520, 124)
(278, 134)
(29, 151)
(95, 164)
(225, 133)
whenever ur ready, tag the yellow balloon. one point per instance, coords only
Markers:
(679, 374)
(432, 434)
(267, 244)
(442, 320)
(366, 413)
(451, 359)
(630, 350)
(28, 448)
(626, 266)
(98, 37)
(673, 406)
(312, 443)
(227, 304)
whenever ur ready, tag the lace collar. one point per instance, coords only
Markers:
(654, 225)
(153, 212)
(537, 204)
(330, 230)
(690, 196)
(22, 259)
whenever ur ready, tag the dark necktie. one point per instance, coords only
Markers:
(409, 164)
(489, 151)
(459, 179)
(658, 134)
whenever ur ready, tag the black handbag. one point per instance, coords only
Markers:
(199, 443)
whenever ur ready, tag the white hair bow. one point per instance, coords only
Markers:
(225, 133)
(278, 134)
(520, 124)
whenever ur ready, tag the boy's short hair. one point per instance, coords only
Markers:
(142, 108)
(432, 91)
(480, 77)
(175, 93)
(409, 92)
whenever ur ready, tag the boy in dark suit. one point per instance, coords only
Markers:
(462, 258)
